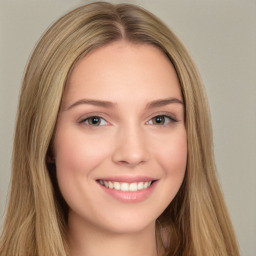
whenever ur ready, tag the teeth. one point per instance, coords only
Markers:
(117, 185)
(110, 184)
(123, 186)
(147, 184)
(133, 187)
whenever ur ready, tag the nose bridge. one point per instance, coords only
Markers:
(130, 145)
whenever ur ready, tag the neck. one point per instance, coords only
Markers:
(88, 240)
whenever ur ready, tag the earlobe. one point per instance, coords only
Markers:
(50, 163)
(50, 159)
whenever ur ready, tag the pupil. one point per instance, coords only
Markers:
(159, 119)
(95, 120)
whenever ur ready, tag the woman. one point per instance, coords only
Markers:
(113, 146)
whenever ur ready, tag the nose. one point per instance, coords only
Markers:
(130, 147)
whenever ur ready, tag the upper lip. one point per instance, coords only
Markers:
(128, 179)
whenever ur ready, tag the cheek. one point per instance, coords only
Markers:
(172, 156)
(76, 153)
(77, 156)
(173, 160)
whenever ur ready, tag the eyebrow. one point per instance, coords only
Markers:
(164, 102)
(99, 103)
(108, 104)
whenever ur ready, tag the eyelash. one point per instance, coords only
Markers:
(168, 117)
(86, 120)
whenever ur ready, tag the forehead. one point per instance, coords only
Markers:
(122, 71)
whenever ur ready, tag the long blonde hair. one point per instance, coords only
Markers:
(195, 223)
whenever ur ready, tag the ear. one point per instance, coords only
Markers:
(50, 158)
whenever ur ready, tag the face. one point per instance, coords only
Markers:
(120, 143)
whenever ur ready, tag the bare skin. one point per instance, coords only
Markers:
(120, 148)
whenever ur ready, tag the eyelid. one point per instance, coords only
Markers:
(91, 115)
(172, 117)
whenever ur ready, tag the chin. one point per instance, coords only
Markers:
(130, 226)
(129, 221)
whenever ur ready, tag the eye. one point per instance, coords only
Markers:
(161, 120)
(94, 121)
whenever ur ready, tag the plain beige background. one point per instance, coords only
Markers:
(221, 37)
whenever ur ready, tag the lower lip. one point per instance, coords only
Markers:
(130, 196)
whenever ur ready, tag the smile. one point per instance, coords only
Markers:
(124, 186)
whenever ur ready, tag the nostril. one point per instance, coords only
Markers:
(130, 146)
(130, 157)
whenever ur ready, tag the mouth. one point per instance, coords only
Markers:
(125, 186)
(128, 189)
